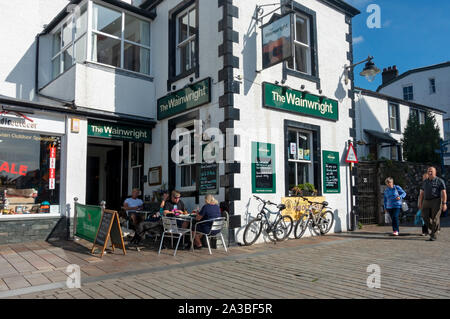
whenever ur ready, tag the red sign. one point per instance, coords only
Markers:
(351, 155)
(51, 173)
(12, 168)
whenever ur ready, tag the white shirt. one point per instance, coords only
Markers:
(134, 202)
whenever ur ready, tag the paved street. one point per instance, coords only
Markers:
(335, 267)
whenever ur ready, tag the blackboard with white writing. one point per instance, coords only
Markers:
(208, 179)
(331, 176)
(109, 228)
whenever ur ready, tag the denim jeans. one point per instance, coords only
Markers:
(395, 216)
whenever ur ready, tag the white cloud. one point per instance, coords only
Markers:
(358, 39)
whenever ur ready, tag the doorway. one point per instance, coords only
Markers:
(104, 174)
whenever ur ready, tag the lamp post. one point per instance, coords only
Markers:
(369, 72)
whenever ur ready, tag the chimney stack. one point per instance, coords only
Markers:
(389, 74)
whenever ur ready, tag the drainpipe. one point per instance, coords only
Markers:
(36, 78)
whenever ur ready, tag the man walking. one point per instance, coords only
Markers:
(432, 195)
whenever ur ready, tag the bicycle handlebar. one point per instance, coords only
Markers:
(304, 198)
(268, 202)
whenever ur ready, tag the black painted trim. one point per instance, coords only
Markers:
(317, 152)
(226, 101)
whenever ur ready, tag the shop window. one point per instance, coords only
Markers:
(394, 117)
(408, 93)
(29, 172)
(301, 168)
(186, 171)
(137, 164)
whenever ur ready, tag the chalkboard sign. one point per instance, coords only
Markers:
(109, 228)
(209, 174)
(263, 168)
(331, 175)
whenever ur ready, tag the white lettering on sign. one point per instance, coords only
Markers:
(193, 96)
(293, 99)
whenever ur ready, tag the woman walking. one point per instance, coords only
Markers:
(393, 196)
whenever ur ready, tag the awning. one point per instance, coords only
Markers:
(381, 137)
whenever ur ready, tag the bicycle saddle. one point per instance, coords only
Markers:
(281, 207)
(325, 204)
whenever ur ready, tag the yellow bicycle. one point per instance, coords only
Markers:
(319, 220)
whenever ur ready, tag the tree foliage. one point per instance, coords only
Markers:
(421, 141)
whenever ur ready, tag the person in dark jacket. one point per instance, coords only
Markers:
(210, 210)
(393, 196)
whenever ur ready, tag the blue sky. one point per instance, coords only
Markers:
(413, 33)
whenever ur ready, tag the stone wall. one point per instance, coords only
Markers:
(19, 230)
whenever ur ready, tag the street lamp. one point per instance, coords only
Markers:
(370, 70)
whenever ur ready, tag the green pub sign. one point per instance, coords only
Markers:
(286, 99)
(263, 168)
(119, 132)
(331, 173)
(193, 95)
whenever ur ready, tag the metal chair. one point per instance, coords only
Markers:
(217, 225)
(171, 228)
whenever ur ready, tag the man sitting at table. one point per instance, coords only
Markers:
(134, 203)
(174, 206)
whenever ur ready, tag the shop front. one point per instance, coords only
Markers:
(31, 146)
(115, 161)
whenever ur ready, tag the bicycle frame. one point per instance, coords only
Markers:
(265, 212)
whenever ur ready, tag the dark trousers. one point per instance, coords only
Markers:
(431, 214)
(395, 216)
(143, 227)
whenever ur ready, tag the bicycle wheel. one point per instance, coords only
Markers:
(300, 226)
(252, 231)
(326, 222)
(283, 228)
(315, 227)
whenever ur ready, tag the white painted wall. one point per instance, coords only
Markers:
(20, 23)
(372, 113)
(332, 56)
(420, 82)
(210, 64)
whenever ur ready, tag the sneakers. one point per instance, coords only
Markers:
(395, 233)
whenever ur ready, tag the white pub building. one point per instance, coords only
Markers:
(190, 95)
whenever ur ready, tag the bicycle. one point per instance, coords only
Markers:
(280, 229)
(318, 220)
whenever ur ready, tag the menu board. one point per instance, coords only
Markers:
(209, 174)
(263, 168)
(331, 175)
(109, 228)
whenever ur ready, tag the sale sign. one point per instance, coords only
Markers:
(52, 168)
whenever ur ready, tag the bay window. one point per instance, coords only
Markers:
(114, 37)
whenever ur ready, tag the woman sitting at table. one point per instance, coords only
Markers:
(210, 210)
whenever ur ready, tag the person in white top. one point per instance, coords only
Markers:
(134, 203)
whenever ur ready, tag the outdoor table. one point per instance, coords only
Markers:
(190, 218)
